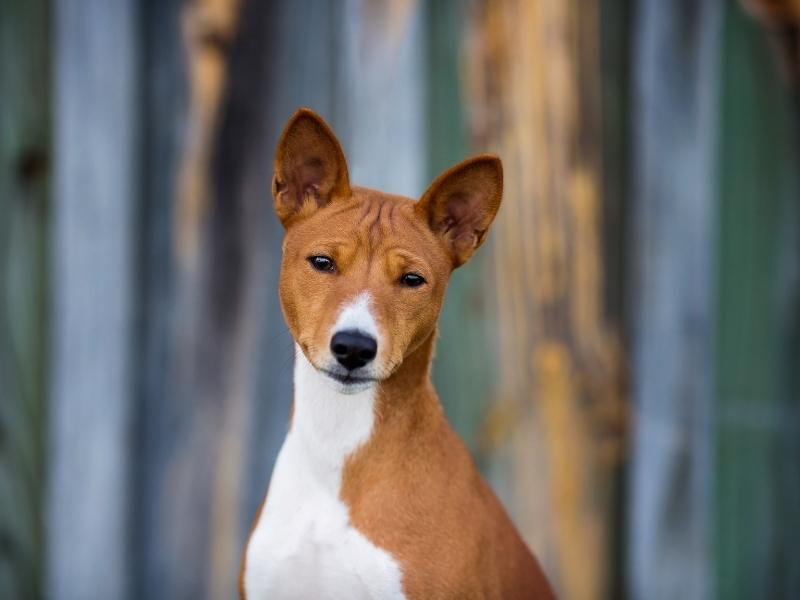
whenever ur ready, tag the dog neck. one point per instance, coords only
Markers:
(330, 425)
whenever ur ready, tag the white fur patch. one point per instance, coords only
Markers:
(357, 315)
(303, 545)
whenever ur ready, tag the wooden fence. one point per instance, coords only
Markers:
(621, 358)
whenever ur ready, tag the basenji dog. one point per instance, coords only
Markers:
(373, 495)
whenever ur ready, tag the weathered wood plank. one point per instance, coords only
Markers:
(202, 296)
(24, 181)
(187, 356)
(756, 428)
(381, 97)
(219, 395)
(463, 368)
(556, 424)
(616, 42)
(94, 194)
(672, 266)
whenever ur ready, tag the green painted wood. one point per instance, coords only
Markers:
(24, 181)
(757, 430)
(463, 369)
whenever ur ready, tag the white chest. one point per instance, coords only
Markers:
(303, 545)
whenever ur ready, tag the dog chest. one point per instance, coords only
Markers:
(303, 545)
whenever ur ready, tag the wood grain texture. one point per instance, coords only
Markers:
(202, 297)
(534, 90)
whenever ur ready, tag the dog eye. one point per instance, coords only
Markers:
(412, 280)
(322, 263)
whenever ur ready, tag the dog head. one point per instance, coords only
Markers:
(363, 272)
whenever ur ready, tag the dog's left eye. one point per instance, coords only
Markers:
(322, 263)
(412, 280)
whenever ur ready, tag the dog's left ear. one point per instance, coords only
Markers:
(310, 167)
(461, 204)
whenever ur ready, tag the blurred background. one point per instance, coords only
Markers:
(621, 358)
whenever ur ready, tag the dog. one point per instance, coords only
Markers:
(373, 495)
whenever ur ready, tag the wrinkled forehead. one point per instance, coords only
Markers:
(371, 222)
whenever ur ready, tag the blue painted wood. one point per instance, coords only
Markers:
(96, 186)
(672, 269)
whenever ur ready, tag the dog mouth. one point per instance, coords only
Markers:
(348, 378)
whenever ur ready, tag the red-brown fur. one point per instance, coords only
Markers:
(412, 489)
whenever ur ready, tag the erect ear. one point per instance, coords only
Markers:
(310, 167)
(462, 202)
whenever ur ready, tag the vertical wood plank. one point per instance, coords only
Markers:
(382, 96)
(95, 190)
(220, 391)
(24, 185)
(463, 369)
(190, 481)
(159, 422)
(757, 430)
(672, 265)
(556, 423)
(616, 43)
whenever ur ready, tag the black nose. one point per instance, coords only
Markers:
(353, 349)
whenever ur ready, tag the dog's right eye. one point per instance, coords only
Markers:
(322, 263)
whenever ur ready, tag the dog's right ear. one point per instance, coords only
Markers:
(310, 167)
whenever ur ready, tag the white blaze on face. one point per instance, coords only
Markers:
(356, 315)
